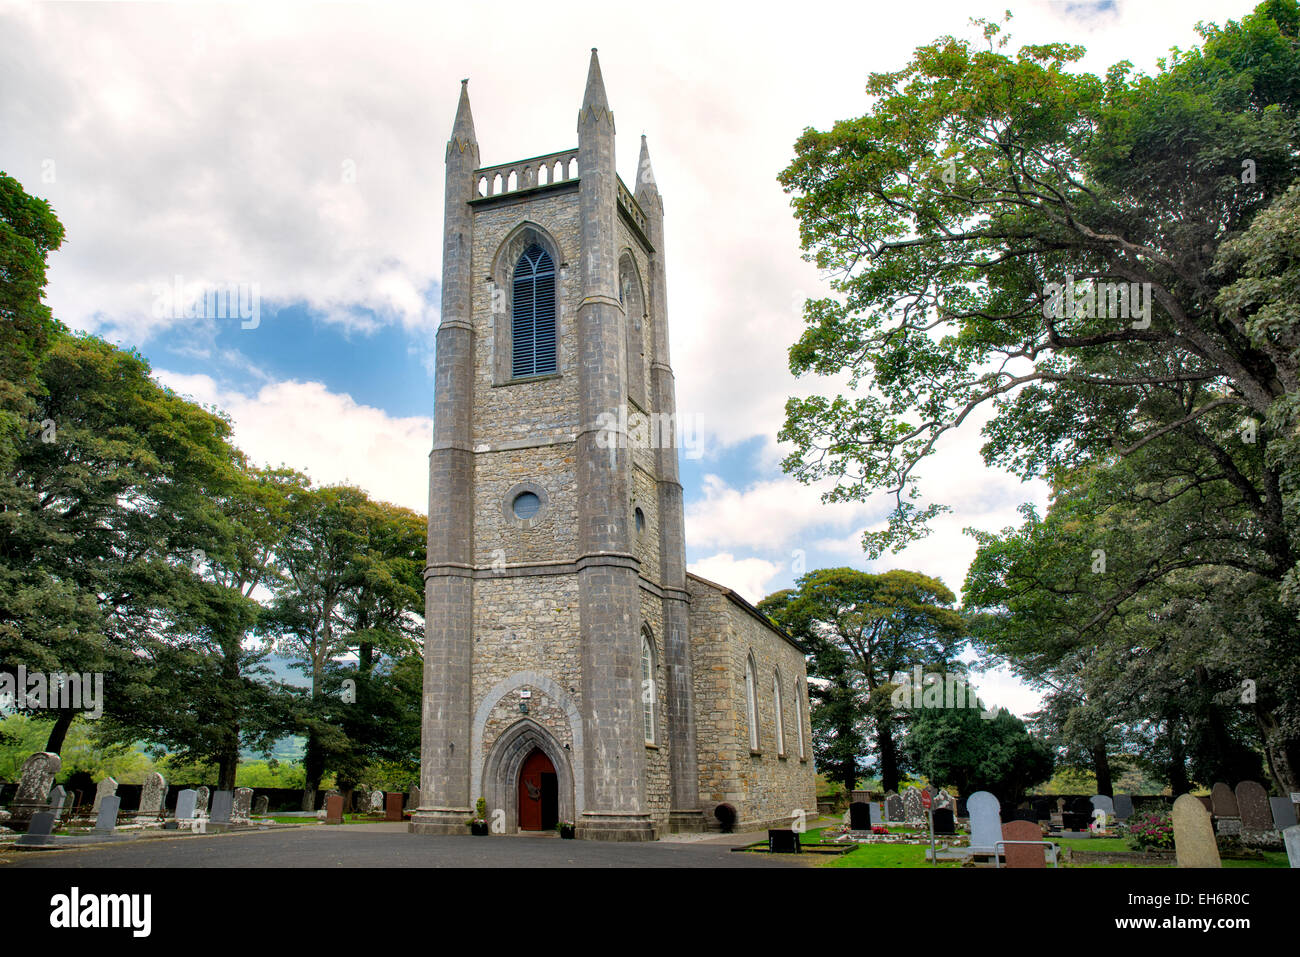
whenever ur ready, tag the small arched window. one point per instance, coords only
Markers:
(649, 693)
(751, 704)
(532, 326)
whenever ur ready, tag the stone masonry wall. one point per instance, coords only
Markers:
(765, 788)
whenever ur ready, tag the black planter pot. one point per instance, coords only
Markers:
(566, 833)
(479, 828)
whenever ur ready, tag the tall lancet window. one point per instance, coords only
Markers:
(780, 716)
(751, 704)
(532, 327)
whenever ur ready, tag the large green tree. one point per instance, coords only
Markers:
(863, 632)
(980, 187)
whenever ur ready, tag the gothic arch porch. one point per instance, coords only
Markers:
(505, 763)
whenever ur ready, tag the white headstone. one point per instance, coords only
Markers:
(985, 820)
(1291, 837)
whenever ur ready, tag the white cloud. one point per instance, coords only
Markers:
(329, 436)
(749, 577)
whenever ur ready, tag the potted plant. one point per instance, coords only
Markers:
(478, 825)
(566, 829)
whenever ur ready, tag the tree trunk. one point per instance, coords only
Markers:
(54, 744)
(1178, 782)
(228, 765)
(314, 765)
(888, 754)
(1101, 765)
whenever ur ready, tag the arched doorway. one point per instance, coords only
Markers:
(539, 793)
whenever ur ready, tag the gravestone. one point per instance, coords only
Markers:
(1105, 803)
(859, 816)
(39, 830)
(985, 821)
(413, 799)
(943, 799)
(912, 807)
(1194, 843)
(106, 788)
(376, 802)
(783, 841)
(1123, 806)
(1020, 855)
(876, 813)
(1291, 838)
(34, 783)
(57, 798)
(151, 797)
(1223, 803)
(334, 809)
(393, 806)
(943, 821)
(963, 812)
(1283, 812)
(328, 794)
(1073, 821)
(1252, 802)
(222, 804)
(894, 808)
(361, 801)
(261, 806)
(201, 802)
(242, 806)
(106, 816)
(185, 803)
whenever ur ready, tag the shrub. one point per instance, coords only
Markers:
(1150, 830)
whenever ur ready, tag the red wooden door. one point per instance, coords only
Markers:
(535, 766)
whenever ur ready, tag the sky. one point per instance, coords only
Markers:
(296, 150)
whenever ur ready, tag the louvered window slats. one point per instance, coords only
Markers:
(533, 318)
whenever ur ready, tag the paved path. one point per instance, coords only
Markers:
(388, 845)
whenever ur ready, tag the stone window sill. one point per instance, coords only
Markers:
(782, 757)
(651, 746)
(527, 379)
(754, 753)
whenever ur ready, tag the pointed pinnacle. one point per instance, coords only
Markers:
(594, 98)
(645, 175)
(462, 131)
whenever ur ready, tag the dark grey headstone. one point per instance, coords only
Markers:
(185, 803)
(39, 830)
(222, 804)
(894, 807)
(58, 796)
(943, 821)
(1123, 806)
(261, 805)
(1283, 812)
(106, 819)
(1103, 802)
(877, 817)
(1252, 802)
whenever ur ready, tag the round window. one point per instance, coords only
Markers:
(526, 505)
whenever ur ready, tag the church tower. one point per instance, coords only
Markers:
(557, 669)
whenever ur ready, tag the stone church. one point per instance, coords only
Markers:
(573, 670)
